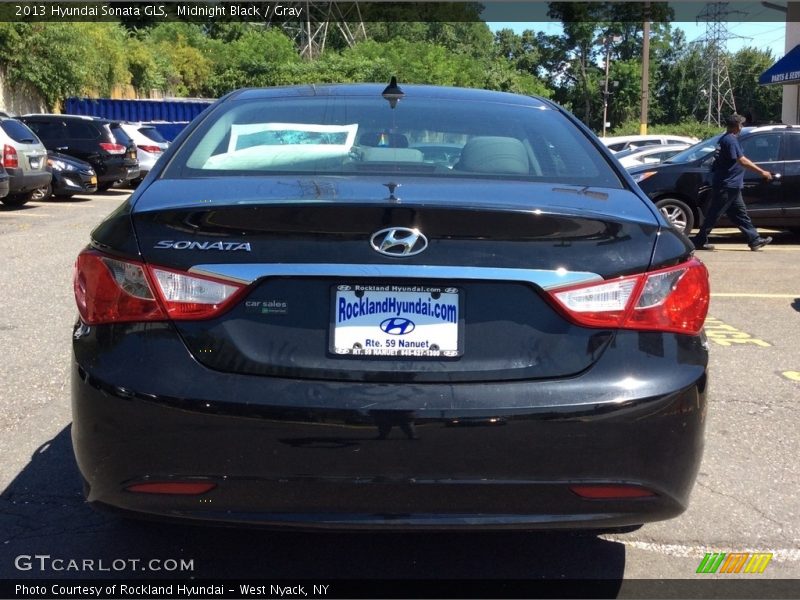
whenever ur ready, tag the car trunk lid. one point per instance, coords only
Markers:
(308, 253)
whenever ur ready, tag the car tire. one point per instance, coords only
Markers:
(42, 193)
(677, 213)
(104, 187)
(16, 199)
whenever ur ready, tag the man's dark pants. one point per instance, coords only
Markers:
(727, 201)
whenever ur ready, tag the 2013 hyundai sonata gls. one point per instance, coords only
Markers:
(301, 318)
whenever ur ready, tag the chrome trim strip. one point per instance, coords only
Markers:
(247, 273)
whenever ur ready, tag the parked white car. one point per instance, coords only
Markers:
(623, 142)
(150, 145)
(648, 155)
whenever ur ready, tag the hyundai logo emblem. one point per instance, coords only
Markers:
(398, 241)
(397, 326)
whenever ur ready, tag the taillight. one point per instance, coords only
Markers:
(674, 299)
(110, 290)
(10, 160)
(153, 149)
(113, 148)
(191, 297)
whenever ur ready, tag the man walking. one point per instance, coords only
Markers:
(727, 189)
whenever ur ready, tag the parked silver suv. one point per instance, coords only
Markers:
(24, 158)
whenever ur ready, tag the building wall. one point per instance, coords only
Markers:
(790, 112)
(19, 100)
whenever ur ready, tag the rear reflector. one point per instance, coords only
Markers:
(177, 488)
(110, 290)
(674, 299)
(611, 492)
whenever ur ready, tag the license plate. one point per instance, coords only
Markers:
(36, 163)
(405, 321)
(93, 181)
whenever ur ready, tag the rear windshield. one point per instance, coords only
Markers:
(153, 134)
(19, 132)
(696, 152)
(341, 135)
(119, 134)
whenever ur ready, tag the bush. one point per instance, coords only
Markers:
(689, 127)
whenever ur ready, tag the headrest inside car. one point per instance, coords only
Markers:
(494, 154)
(382, 139)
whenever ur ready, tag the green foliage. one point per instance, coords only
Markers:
(63, 59)
(688, 127)
(211, 59)
(763, 103)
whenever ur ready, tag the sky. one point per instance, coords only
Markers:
(759, 34)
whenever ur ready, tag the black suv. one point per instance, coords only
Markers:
(681, 186)
(100, 142)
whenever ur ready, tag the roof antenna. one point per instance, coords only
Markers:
(392, 93)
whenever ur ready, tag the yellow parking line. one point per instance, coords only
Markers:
(725, 335)
(737, 295)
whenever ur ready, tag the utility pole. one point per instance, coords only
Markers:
(645, 70)
(606, 93)
(605, 90)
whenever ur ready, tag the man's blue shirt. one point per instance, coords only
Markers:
(727, 170)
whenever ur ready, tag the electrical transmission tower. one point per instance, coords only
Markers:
(720, 93)
(311, 34)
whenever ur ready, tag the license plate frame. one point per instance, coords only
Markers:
(434, 314)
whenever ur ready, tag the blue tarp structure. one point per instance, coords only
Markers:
(786, 70)
(175, 110)
(168, 116)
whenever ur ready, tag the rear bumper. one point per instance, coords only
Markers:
(25, 182)
(147, 160)
(363, 455)
(71, 182)
(110, 170)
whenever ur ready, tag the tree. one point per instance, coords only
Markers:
(64, 59)
(763, 103)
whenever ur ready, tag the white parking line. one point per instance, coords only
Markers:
(25, 214)
(737, 295)
(771, 248)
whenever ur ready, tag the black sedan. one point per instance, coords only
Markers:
(297, 320)
(681, 186)
(71, 176)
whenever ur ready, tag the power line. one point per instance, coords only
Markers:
(720, 93)
(312, 33)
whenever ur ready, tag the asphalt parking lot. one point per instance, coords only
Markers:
(746, 498)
